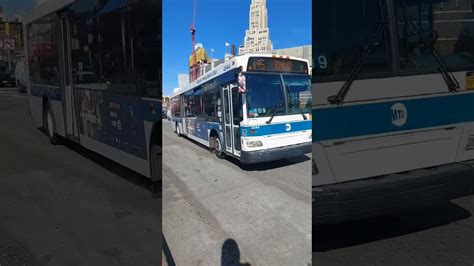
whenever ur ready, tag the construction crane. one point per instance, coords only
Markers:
(192, 29)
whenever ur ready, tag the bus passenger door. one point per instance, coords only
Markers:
(237, 117)
(232, 120)
(66, 80)
(227, 120)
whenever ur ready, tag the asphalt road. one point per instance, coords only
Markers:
(218, 210)
(440, 235)
(62, 205)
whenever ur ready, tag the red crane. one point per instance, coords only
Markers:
(192, 29)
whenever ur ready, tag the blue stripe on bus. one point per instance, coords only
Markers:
(200, 128)
(263, 130)
(379, 118)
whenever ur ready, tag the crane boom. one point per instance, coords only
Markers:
(192, 29)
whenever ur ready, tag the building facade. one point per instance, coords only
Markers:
(183, 80)
(257, 37)
(304, 52)
(11, 39)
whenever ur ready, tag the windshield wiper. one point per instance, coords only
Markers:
(302, 113)
(369, 45)
(270, 120)
(449, 78)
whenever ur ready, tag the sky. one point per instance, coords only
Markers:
(220, 21)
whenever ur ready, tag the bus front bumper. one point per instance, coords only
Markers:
(249, 157)
(371, 197)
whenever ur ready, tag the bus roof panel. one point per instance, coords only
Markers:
(231, 64)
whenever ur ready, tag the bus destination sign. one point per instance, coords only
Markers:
(275, 64)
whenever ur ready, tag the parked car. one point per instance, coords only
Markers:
(20, 76)
(7, 79)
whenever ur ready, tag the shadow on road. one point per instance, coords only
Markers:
(329, 237)
(231, 254)
(127, 174)
(257, 166)
(269, 165)
(166, 252)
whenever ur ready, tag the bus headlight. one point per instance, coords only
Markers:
(254, 143)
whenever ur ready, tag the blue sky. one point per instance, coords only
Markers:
(218, 21)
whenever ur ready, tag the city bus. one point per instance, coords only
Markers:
(94, 77)
(253, 107)
(393, 105)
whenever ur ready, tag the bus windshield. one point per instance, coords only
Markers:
(266, 94)
(340, 44)
(421, 29)
(298, 91)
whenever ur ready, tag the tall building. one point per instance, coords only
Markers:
(183, 80)
(257, 37)
(197, 59)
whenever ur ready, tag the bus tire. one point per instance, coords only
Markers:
(156, 171)
(49, 125)
(218, 148)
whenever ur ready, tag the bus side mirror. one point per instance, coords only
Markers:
(242, 84)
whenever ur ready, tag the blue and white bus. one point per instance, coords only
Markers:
(393, 105)
(253, 107)
(94, 69)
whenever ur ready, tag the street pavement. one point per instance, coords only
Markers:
(219, 211)
(61, 205)
(440, 235)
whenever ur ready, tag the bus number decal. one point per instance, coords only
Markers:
(323, 62)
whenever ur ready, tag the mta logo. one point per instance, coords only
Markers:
(288, 127)
(399, 114)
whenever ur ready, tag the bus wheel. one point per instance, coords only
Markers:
(218, 148)
(156, 171)
(49, 124)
